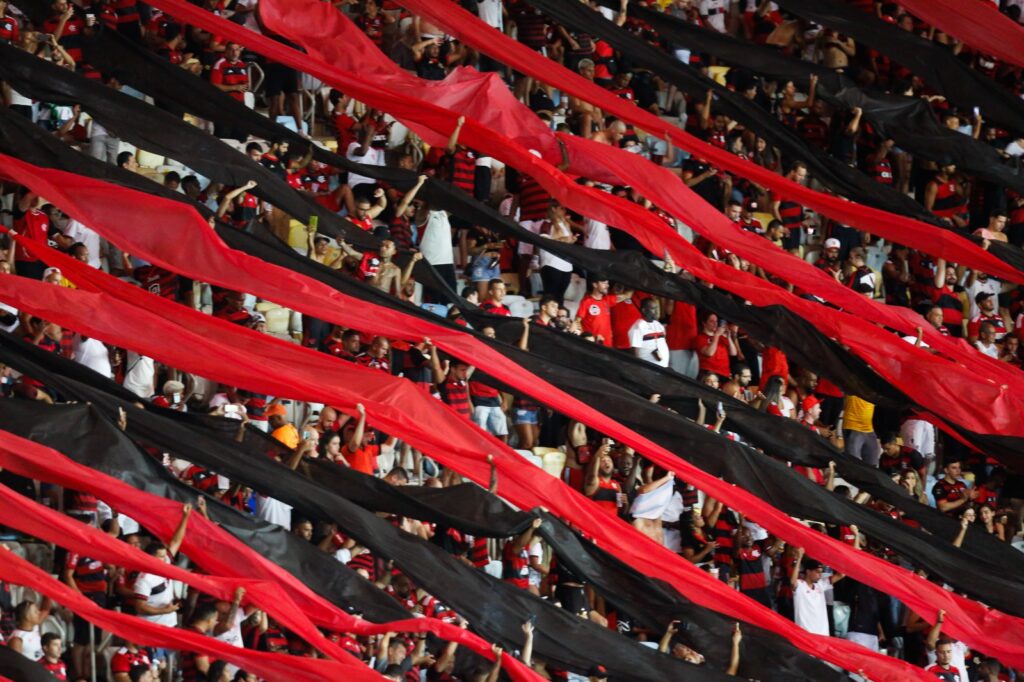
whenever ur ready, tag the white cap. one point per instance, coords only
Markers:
(832, 243)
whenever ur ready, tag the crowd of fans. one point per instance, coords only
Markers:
(507, 278)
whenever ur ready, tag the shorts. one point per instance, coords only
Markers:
(573, 599)
(279, 78)
(491, 419)
(525, 417)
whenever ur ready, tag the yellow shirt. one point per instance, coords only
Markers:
(857, 414)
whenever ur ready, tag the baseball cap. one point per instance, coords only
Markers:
(809, 402)
(981, 296)
(832, 243)
(276, 409)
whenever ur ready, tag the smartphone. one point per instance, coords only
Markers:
(977, 112)
(305, 435)
(314, 221)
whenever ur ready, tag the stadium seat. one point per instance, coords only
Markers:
(552, 460)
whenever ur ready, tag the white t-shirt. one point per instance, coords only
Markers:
(548, 259)
(714, 12)
(372, 157)
(140, 375)
(234, 635)
(80, 233)
(598, 236)
(649, 337)
(31, 642)
(920, 435)
(989, 286)
(489, 12)
(809, 607)
(158, 592)
(991, 350)
(436, 242)
(93, 354)
(274, 511)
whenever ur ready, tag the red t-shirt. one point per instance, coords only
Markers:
(363, 459)
(624, 314)
(230, 73)
(34, 226)
(773, 363)
(681, 330)
(717, 363)
(596, 317)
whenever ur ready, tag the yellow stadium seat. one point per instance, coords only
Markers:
(764, 218)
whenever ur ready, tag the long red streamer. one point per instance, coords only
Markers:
(653, 182)
(218, 552)
(416, 417)
(28, 516)
(16, 570)
(979, 23)
(209, 257)
(970, 374)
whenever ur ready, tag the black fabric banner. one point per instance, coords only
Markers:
(210, 441)
(163, 81)
(778, 327)
(495, 609)
(831, 172)
(935, 64)
(646, 602)
(160, 132)
(14, 666)
(274, 252)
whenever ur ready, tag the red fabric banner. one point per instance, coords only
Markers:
(971, 373)
(174, 334)
(979, 23)
(16, 570)
(32, 518)
(212, 548)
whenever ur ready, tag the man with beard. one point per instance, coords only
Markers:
(829, 259)
(599, 483)
(647, 335)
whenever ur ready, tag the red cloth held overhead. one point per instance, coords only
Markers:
(173, 333)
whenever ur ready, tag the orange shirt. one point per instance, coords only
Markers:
(363, 459)
(288, 435)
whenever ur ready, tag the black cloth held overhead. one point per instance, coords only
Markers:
(831, 172)
(494, 608)
(776, 326)
(160, 132)
(622, 267)
(211, 441)
(935, 64)
(909, 121)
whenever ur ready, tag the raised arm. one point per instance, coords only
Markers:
(453, 141)
(356, 440)
(734, 656)
(521, 542)
(379, 206)
(404, 204)
(590, 478)
(179, 533)
(933, 635)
